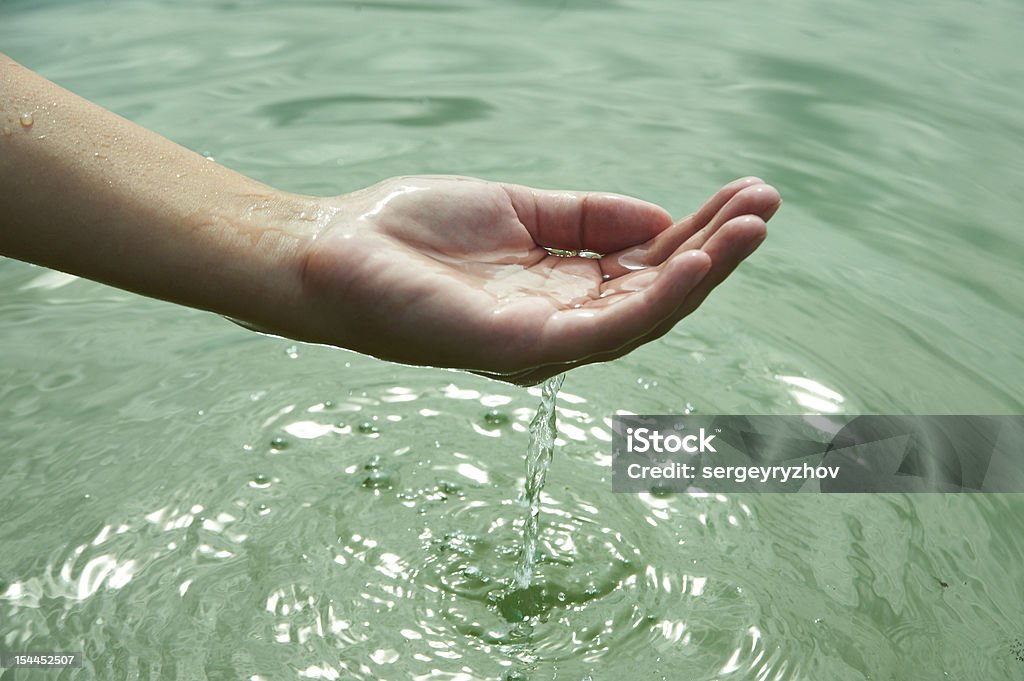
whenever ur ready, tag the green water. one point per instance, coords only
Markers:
(182, 499)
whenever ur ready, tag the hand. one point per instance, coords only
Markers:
(456, 272)
(444, 271)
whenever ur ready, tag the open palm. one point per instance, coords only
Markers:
(514, 282)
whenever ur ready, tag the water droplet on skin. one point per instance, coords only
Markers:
(26, 120)
(560, 252)
(635, 259)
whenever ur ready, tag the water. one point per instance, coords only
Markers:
(543, 430)
(183, 499)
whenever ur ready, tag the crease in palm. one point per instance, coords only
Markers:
(484, 253)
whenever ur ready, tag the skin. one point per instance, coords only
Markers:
(440, 271)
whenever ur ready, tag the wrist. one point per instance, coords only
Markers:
(267, 236)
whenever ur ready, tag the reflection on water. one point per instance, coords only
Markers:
(325, 540)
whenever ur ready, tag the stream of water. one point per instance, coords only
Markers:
(543, 430)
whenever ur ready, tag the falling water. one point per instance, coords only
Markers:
(538, 459)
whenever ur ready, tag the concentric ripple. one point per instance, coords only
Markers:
(434, 537)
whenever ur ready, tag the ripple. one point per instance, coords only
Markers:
(426, 111)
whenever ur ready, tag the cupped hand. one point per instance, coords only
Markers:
(512, 282)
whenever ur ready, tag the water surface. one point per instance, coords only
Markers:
(183, 499)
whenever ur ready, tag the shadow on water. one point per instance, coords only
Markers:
(377, 110)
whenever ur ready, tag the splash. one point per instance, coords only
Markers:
(543, 430)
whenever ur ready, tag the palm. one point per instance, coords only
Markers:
(462, 273)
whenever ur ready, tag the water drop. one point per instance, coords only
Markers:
(26, 120)
(661, 491)
(378, 480)
(259, 481)
(279, 443)
(495, 418)
(368, 428)
(292, 351)
(561, 252)
(448, 487)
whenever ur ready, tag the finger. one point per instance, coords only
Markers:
(574, 336)
(729, 246)
(713, 205)
(747, 196)
(594, 221)
(761, 201)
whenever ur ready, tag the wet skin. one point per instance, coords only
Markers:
(439, 271)
(462, 274)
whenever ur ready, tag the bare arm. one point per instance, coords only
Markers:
(505, 280)
(88, 192)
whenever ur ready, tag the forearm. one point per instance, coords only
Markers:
(85, 191)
